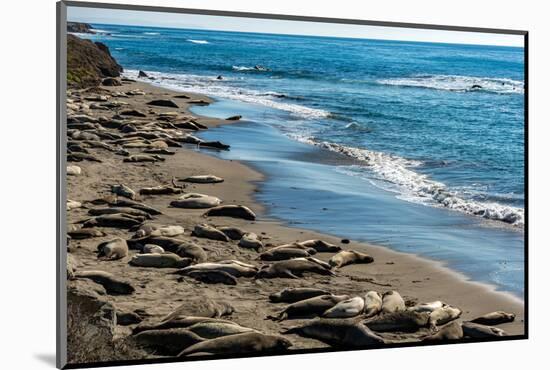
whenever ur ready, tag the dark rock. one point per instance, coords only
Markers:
(163, 103)
(214, 144)
(234, 118)
(79, 27)
(88, 63)
(142, 74)
(110, 81)
(219, 77)
(344, 241)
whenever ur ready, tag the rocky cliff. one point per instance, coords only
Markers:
(88, 63)
(79, 27)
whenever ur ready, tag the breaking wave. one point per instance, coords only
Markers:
(209, 85)
(459, 83)
(396, 174)
(198, 41)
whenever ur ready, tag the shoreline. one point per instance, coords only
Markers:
(418, 279)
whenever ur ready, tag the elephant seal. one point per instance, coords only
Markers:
(193, 251)
(209, 232)
(249, 342)
(344, 309)
(73, 170)
(203, 179)
(392, 302)
(343, 333)
(494, 318)
(157, 230)
(85, 233)
(163, 103)
(144, 158)
(79, 157)
(279, 254)
(402, 321)
(291, 269)
(444, 315)
(292, 295)
(167, 243)
(130, 203)
(159, 260)
(478, 331)
(195, 201)
(113, 249)
(233, 233)
(233, 118)
(251, 241)
(234, 268)
(115, 210)
(211, 330)
(449, 332)
(161, 190)
(312, 306)
(427, 307)
(320, 246)
(314, 260)
(178, 322)
(168, 342)
(235, 211)
(117, 220)
(152, 248)
(128, 318)
(73, 204)
(201, 306)
(373, 303)
(213, 277)
(123, 191)
(345, 258)
(112, 284)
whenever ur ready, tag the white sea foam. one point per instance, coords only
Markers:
(198, 41)
(209, 85)
(459, 83)
(243, 68)
(397, 174)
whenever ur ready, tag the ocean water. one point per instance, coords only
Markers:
(436, 131)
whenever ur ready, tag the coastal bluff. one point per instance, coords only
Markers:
(79, 27)
(89, 62)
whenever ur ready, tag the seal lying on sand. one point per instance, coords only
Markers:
(338, 333)
(234, 268)
(115, 210)
(344, 309)
(144, 158)
(291, 295)
(167, 243)
(392, 302)
(158, 230)
(195, 201)
(167, 342)
(452, 331)
(478, 331)
(213, 277)
(233, 233)
(251, 241)
(161, 190)
(250, 342)
(85, 233)
(291, 269)
(79, 157)
(320, 246)
(211, 330)
(209, 232)
(73, 170)
(112, 284)
(403, 321)
(152, 248)
(279, 254)
(236, 211)
(113, 249)
(309, 307)
(118, 220)
(160, 260)
(201, 306)
(373, 303)
(345, 258)
(73, 204)
(203, 179)
(123, 191)
(127, 203)
(427, 307)
(444, 315)
(178, 322)
(495, 318)
(193, 251)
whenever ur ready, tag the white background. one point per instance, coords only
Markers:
(27, 145)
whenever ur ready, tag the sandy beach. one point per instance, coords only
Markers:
(158, 292)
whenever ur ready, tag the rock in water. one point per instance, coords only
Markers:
(142, 74)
